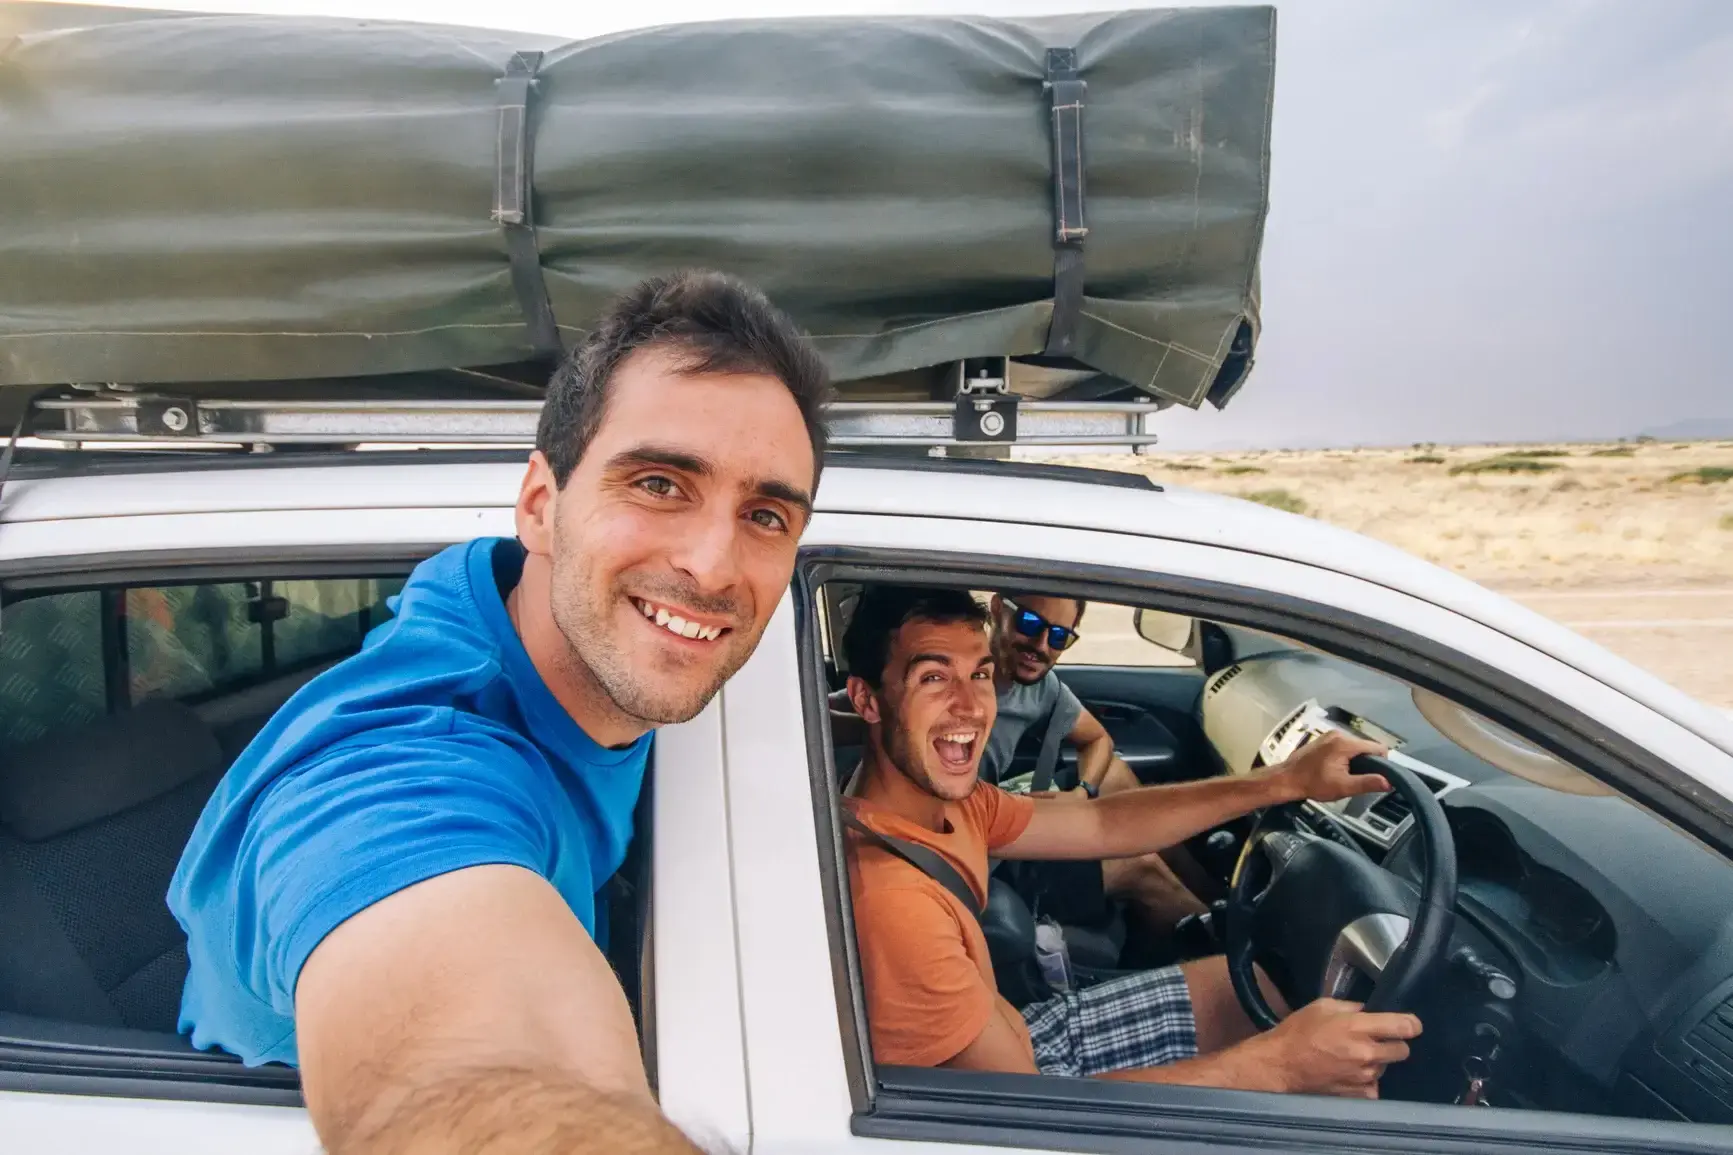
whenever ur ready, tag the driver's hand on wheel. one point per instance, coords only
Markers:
(1319, 769)
(1331, 1047)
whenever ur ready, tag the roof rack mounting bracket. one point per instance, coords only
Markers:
(170, 417)
(981, 375)
(986, 417)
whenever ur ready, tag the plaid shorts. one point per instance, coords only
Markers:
(1137, 1020)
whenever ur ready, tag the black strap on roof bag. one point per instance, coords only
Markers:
(514, 202)
(1065, 97)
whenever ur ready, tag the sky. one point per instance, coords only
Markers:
(1490, 219)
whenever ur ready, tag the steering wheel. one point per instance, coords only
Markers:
(1336, 919)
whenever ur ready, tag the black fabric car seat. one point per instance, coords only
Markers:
(92, 825)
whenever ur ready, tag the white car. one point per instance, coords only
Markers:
(157, 608)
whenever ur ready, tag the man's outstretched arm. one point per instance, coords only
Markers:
(1156, 817)
(472, 1012)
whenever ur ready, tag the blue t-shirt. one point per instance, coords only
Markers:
(437, 747)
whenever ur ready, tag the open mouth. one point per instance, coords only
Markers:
(677, 624)
(957, 749)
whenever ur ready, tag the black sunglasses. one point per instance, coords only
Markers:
(1031, 625)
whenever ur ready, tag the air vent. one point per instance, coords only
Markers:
(1712, 1040)
(1390, 810)
(1282, 730)
(1223, 678)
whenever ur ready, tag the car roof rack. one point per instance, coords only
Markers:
(980, 411)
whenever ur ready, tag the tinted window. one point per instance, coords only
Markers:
(187, 640)
(51, 669)
(68, 658)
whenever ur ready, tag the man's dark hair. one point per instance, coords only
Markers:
(883, 610)
(715, 322)
(1018, 597)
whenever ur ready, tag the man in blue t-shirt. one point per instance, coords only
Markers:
(394, 885)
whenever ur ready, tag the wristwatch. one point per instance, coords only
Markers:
(1090, 788)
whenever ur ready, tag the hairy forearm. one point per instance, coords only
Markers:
(1156, 817)
(509, 1111)
(1093, 760)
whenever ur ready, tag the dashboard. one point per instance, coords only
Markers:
(1616, 928)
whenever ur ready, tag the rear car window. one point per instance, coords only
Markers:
(71, 658)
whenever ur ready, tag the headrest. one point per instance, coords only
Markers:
(59, 783)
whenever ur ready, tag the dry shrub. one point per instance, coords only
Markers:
(1426, 459)
(1705, 475)
(1505, 463)
(1616, 451)
(1282, 499)
(1234, 470)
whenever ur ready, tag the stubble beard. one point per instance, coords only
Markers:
(1006, 658)
(901, 752)
(583, 615)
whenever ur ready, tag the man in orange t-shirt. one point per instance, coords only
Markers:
(921, 678)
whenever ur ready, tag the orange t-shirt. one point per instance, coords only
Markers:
(929, 979)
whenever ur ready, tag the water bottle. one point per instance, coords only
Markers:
(1052, 956)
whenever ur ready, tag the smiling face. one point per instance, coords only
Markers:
(1023, 659)
(673, 539)
(934, 707)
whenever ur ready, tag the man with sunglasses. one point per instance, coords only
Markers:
(1029, 633)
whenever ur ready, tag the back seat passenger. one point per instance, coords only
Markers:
(92, 825)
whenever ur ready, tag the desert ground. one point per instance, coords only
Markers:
(1629, 543)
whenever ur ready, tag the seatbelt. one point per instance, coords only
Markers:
(1042, 781)
(929, 862)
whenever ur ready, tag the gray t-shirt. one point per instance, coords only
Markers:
(1021, 707)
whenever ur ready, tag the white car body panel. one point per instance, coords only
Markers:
(32, 1124)
(748, 1045)
(700, 1056)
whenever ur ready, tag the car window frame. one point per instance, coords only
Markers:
(1100, 1116)
(69, 1067)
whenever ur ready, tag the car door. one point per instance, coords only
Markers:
(811, 1081)
(67, 1092)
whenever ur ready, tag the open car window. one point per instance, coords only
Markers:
(120, 710)
(1585, 972)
